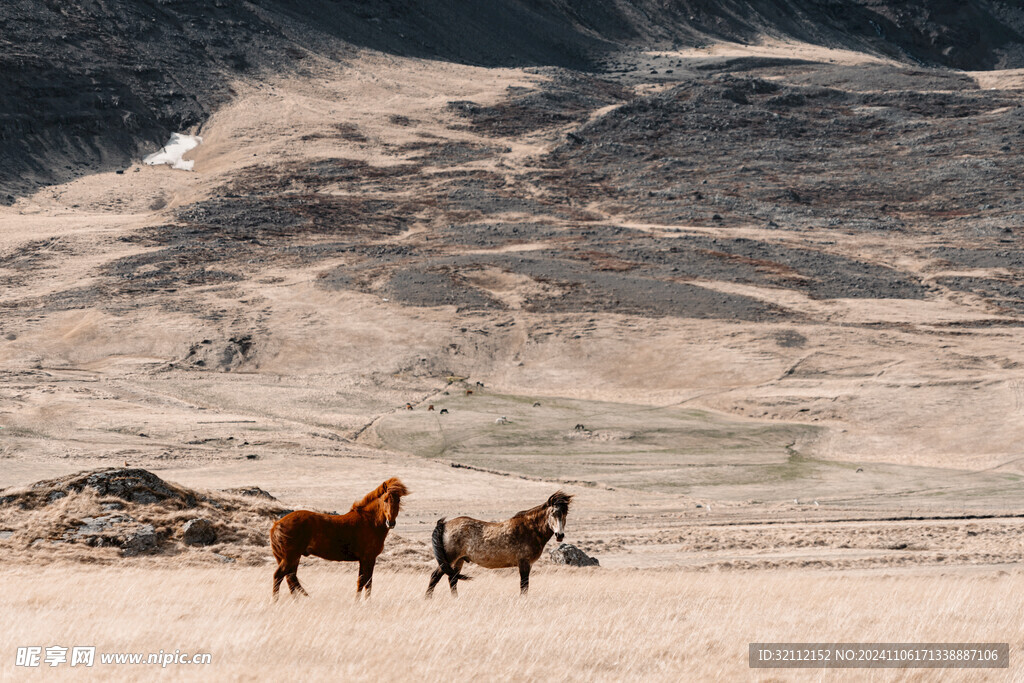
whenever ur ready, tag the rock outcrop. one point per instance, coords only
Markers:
(135, 512)
(568, 554)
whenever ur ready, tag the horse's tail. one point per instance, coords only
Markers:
(277, 541)
(437, 541)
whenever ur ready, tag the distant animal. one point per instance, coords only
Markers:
(408, 406)
(516, 542)
(860, 469)
(501, 420)
(468, 392)
(356, 536)
(536, 404)
(579, 428)
(480, 384)
(444, 411)
(430, 407)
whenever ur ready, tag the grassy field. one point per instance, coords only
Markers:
(575, 625)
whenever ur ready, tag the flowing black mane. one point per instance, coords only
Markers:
(559, 500)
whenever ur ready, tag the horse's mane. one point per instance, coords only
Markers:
(559, 499)
(393, 485)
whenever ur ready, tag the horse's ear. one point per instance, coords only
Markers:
(384, 487)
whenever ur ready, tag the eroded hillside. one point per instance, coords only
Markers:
(777, 281)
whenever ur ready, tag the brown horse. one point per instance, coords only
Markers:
(516, 542)
(356, 536)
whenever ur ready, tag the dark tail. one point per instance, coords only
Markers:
(437, 541)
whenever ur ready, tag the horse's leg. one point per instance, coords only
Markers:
(453, 580)
(434, 579)
(278, 578)
(294, 585)
(365, 580)
(524, 576)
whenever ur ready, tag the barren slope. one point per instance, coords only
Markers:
(748, 276)
(86, 86)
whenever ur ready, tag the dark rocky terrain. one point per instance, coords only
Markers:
(85, 85)
(886, 151)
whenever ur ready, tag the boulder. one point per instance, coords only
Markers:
(198, 532)
(138, 540)
(91, 528)
(569, 554)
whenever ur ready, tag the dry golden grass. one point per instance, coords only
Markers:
(575, 625)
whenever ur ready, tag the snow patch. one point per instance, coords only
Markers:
(174, 150)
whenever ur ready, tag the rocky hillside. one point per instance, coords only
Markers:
(87, 86)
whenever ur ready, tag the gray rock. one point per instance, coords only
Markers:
(139, 540)
(254, 491)
(95, 525)
(199, 532)
(118, 531)
(570, 555)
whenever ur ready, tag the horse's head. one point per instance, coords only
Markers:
(391, 500)
(558, 508)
